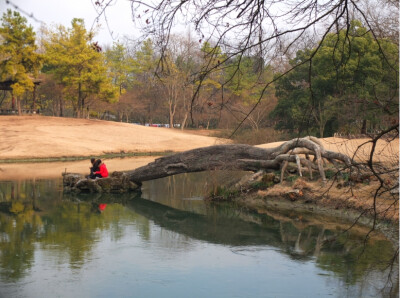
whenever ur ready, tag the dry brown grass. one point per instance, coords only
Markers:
(358, 197)
(40, 136)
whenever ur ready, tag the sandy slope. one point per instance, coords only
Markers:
(39, 136)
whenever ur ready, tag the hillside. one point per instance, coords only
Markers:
(40, 137)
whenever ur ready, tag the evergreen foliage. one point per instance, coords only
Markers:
(19, 60)
(353, 81)
(78, 65)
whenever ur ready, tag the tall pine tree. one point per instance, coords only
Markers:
(19, 61)
(79, 65)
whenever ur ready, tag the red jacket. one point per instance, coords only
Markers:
(102, 171)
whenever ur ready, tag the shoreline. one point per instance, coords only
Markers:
(110, 155)
(306, 211)
(273, 199)
(54, 169)
(304, 200)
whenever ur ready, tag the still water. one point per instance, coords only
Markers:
(167, 242)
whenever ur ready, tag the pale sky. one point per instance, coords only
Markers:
(62, 12)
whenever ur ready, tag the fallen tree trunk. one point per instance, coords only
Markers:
(240, 157)
(219, 157)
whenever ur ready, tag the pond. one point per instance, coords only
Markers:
(168, 242)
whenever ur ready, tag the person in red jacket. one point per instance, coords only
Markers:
(102, 172)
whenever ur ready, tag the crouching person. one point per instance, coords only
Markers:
(102, 172)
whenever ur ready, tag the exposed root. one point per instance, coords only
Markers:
(309, 146)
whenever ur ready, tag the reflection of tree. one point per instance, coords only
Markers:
(353, 261)
(74, 228)
(63, 228)
(300, 239)
(17, 244)
(333, 250)
(69, 228)
(171, 190)
(24, 195)
(345, 254)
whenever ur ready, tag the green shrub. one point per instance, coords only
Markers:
(224, 194)
(330, 173)
(261, 185)
(292, 178)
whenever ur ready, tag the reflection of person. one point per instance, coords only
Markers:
(102, 207)
(103, 172)
(98, 207)
(94, 168)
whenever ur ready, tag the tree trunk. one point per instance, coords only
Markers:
(237, 157)
(183, 123)
(34, 98)
(61, 107)
(79, 101)
(19, 106)
(171, 116)
(321, 130)
(364, 127)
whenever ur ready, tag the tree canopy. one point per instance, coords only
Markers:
(78, 65)
(272, 31)
(19, 60)
(349, 81)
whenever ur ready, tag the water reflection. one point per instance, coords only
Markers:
(186, 191)
(42, 230)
